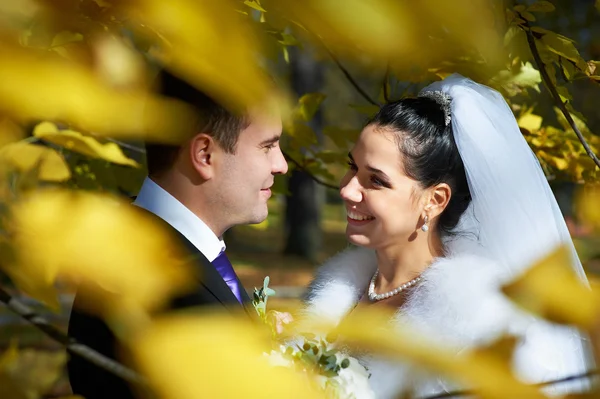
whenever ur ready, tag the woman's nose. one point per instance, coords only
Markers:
(350, 189)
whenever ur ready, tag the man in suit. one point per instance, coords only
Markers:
(219, 178)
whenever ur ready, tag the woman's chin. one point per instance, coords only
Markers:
(358, 239)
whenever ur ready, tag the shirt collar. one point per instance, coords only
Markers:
(157, 200)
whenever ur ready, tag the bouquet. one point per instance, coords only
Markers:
(328, 368)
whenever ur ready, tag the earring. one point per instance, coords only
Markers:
(425, 227)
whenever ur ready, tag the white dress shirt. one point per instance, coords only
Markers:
(155, 199)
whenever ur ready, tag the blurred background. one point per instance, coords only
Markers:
(78, 65)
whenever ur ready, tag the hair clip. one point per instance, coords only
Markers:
(443, 99)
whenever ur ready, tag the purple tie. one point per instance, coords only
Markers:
(223, 266)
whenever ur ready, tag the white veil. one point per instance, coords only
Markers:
(513, 213)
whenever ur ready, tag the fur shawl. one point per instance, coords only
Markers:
(459, 304)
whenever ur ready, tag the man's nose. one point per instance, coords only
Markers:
(280, 166)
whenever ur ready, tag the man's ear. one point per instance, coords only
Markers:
(202, 153)
(439, 196)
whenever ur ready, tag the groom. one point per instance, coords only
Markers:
(219, 178)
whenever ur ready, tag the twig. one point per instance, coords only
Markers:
(386, 78)
(455, 394)
(71, 344)
(302, 168)
(554, 92)
(350, 78)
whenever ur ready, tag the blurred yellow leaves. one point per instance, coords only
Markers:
(484, 370)
(125, 261)
(29, 374)
(210, 45)
(551, 290)
(588, 205)
(82, 144)
(24, 157)
(402, 33)
(212, 356)
(51, 89)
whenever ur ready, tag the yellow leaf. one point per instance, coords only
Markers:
(308, 105)
(588, 205)
(189, 356)
(541, 6)
(551, 290)
(10, 131)
(25, 156)
(530, 122)
(124, 260)
(255, 5)
(29, 373)
(485, 371)
(222, 63)
(85, 145)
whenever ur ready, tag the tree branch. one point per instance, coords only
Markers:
(554, 93)
(315, 178)
(71, 344)
(386, 78)
(350, 78)
(455, 394)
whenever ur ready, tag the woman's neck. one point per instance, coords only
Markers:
(401, 263)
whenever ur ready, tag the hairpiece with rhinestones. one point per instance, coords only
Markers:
(443, 99)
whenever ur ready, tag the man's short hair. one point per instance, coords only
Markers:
(213, 119)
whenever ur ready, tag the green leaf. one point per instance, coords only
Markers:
(302, 134)
(288, 40)
(266, 282)
(564, 94)
(541, 6)
(286, 55)
(526, 77)
(528, 16)
(569, 69)
(511, 34)
(255, 5)
(564, 47)
(66, 37)
(519, 8)
(270, 292)
(340, 136)
(538, 29)
(308, 105)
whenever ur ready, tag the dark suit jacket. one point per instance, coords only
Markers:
(93, 382)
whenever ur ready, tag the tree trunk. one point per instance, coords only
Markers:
(303, 205)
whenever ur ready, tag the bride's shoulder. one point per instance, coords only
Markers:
(460, 296)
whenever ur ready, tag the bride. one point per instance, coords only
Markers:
(445, 202)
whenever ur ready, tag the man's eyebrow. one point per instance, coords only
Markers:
(271, 140)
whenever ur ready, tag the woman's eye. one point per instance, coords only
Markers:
(376, 181)
(352, 165)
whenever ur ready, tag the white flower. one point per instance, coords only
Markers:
(354, 381)
(276, 358)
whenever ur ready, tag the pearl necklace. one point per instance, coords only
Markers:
(375, 297)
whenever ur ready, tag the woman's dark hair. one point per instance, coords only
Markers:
(429, 151)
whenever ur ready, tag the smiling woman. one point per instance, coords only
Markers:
(448, 204)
